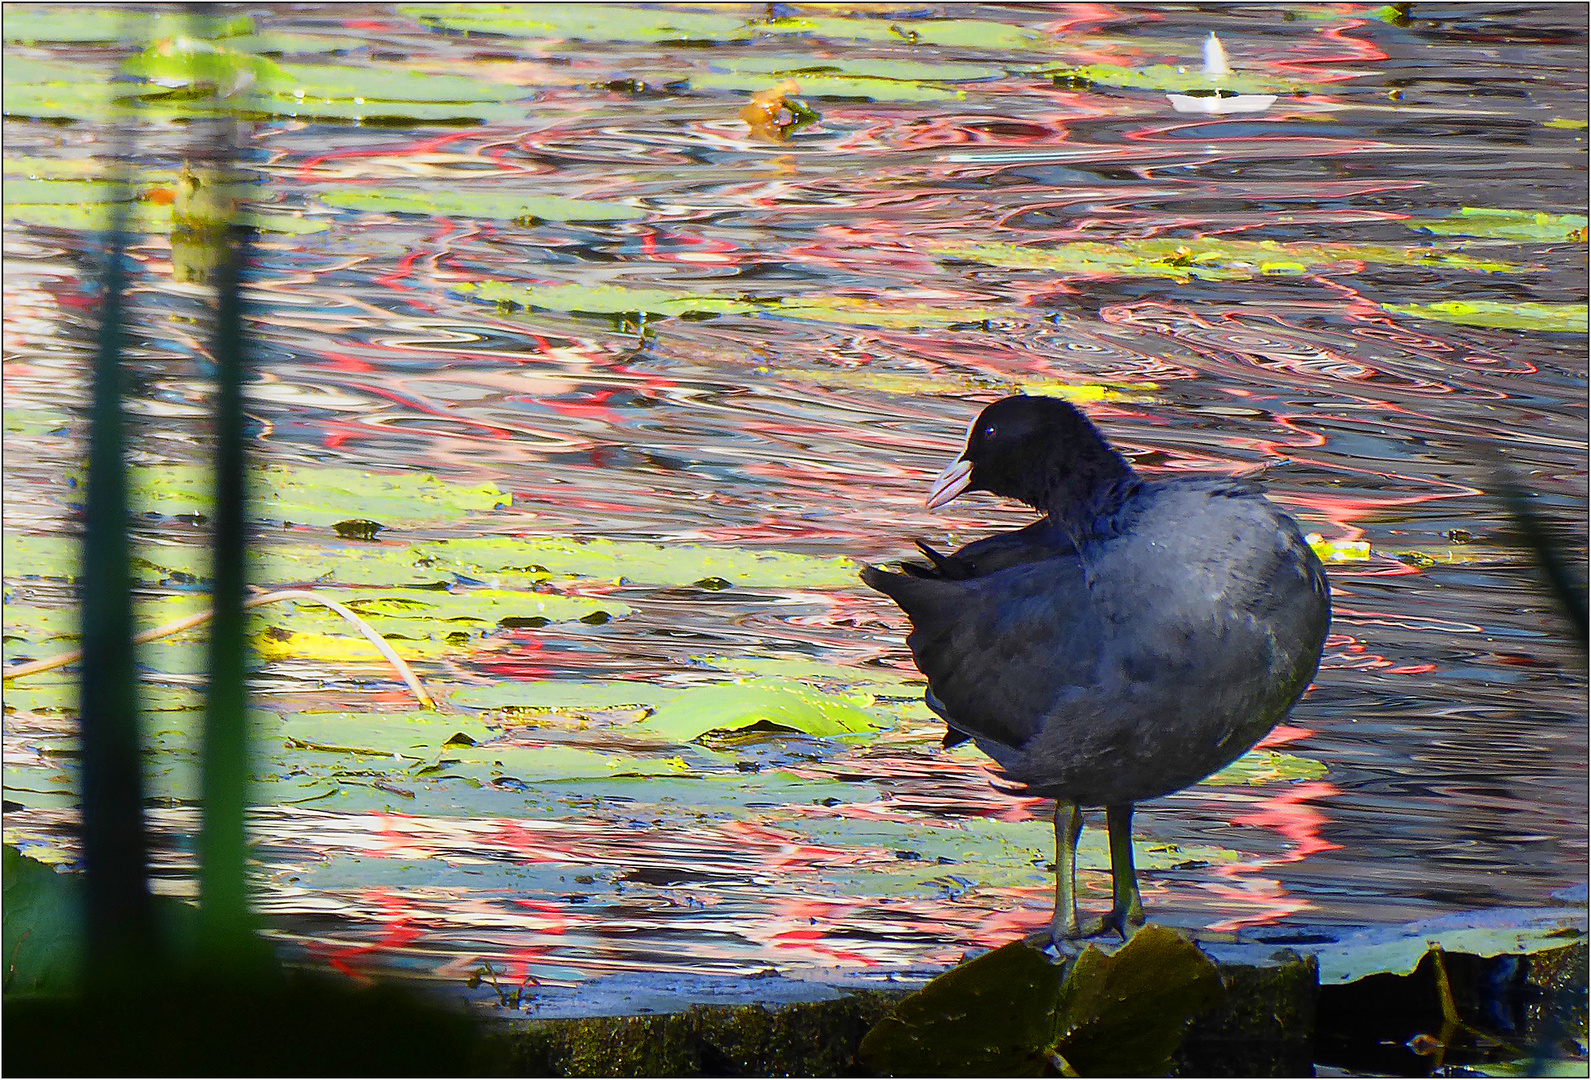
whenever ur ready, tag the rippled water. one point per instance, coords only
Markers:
(1449, 713)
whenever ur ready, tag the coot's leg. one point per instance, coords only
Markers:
(1063, 924)
(1127, 906)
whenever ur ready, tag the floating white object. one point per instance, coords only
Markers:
(1214, 101)
(1217, 103)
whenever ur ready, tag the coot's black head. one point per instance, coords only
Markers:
(1039, 450)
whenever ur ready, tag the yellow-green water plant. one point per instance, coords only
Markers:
(1208, 258)
(1500, 314)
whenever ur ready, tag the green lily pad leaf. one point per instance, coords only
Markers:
(537, 764)
(991, 1016)
(1205, 259)
(568, 695)
(1172, 78)
(776, 702)
(857, 680)
(955, 384)
(38, 789)
(418, 733)
(1266, 767)
(1506, 315)
(42, 916)
(28, 24)
(483, 607)
(1125, 1014)
(1397, 950)
(480, 202)
(185, 61)
(636, 562)
(1526, 225)
(626, 301)
(320, 496)
(801, 67)
(53, 89)
(604, 22)
(828, 86)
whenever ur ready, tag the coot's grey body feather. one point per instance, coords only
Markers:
(1142, 663)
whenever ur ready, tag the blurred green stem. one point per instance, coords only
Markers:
(120, 928)
(223, 893)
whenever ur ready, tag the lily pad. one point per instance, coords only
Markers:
(1506, 315)
(571, 695)
(42, 924)
(1266, 767)
(1397, 949)
(628, 301)
(478, 202)
(1171, 78)
(321, 495)
(820, 85)
(68, 23)
(1206, 259)
(1523, 225)
(775, 702)
(416, 733)
(635, 562)
(539, 764)
(608, 22)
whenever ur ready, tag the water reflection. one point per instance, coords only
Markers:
(1449, 715)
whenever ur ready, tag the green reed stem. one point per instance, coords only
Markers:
(118, 912)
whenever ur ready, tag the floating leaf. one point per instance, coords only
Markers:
(42, 915)
(1266, 767)
(323, 495)
(538, 764)
(29, 24)
(624, 300)
(605, 22)
(1205, 259)
(1507, 315)
(635, 562)
(828, 86)
(1172, 78)
(1125, 1014)
(737, 705)
(565, 695)
(415, 733)
(483, 203)
(1397, 949)
(1336, 551)
(1505, 225)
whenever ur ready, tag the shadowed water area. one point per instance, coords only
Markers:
(633, 390)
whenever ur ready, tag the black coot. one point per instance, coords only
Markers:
(1137, 638)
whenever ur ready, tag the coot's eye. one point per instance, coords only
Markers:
(988, 431)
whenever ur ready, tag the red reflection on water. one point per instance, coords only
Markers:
(1286, 812)
(394, 919)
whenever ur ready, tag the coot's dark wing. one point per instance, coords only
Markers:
(1040, 540)
(1000, 650)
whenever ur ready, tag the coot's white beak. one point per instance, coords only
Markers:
(950, 483)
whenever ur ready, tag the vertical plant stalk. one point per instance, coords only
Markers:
(119, 913)
(223, 892)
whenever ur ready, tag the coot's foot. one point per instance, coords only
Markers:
(1108, 924)
(1122, 922)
